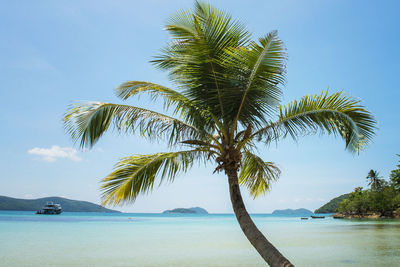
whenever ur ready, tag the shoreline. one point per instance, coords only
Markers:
(374, 215)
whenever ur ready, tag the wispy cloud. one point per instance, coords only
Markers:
(33, 64)
(55, 152)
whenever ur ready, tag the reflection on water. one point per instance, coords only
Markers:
(88, 239)
(344, 243)
(383, 239)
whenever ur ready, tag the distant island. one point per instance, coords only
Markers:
(332, 205)
(69, 205)
(293, 212)
(195, 210)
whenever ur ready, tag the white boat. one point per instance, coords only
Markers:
(50, 208)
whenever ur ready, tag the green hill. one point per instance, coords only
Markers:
(9, 203)
(196, 210)
(332, 205)
(293, 212)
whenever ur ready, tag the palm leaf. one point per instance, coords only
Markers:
(192, 57)
(257, 175)
(87, 122)
(186, 109)
(336, 114)
(137, 174)
(181, 26)
(261, 69)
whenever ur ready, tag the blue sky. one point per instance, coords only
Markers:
(55, 52)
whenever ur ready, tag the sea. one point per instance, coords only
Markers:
(144, 239)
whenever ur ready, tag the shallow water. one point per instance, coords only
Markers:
(96, 239)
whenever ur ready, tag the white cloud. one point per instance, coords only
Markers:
(55, 152)
(33, 64)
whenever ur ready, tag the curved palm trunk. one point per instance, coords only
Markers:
(269, 253)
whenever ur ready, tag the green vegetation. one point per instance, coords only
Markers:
(332, 205)
(395, 177)
(229, 90)
(9, 203)
(382, 199)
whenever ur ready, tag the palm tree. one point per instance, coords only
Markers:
(375, 181)
(228, 99)
(395, 177)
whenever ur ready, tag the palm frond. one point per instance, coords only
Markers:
(181, 26)
(257, 175)
(87, 122)
(336, 114)
(186, 109)
(198, 143)
(259, 70)
(137, 174)
(200, 37)
(218, 28)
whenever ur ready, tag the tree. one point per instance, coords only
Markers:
(395, 177)
(356, 203)
(384, 201)
(375, 181)
(229, 92)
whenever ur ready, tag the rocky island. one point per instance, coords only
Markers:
(194, 210)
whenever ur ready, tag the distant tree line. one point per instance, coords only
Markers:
(383, 197)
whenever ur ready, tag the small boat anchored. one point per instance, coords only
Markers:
(50, 208)
(317, 217)
(338, 217)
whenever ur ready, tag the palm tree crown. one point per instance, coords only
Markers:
(374, 180)
(229, 90)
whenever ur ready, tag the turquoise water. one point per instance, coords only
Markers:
(96, 239)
